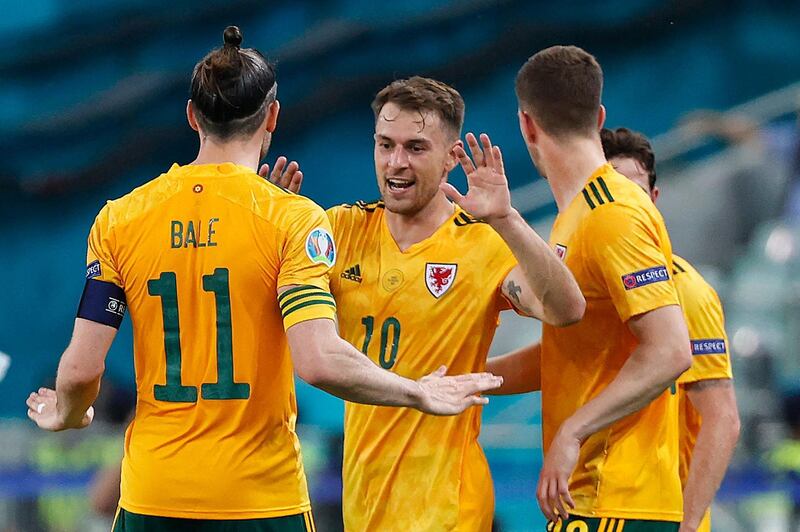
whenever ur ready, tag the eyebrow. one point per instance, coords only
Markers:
(415, 140)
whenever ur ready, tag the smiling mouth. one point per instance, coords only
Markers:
(399, 184)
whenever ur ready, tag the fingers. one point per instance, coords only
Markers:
(499, 167)
(464, 160)
(452, 192)
(559, 493)
(482, 383)
(542, 499)
(296, 182)
(441, 371)
(33, 401)
(275, 176)
(488, 152)
(475, 150)
(264, 170)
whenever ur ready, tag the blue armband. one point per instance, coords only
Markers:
(102, 302)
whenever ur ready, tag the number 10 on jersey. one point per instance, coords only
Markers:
(390, 326)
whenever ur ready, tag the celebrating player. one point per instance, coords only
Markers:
(708, 414)
(609, 422)
(215, 264)
(419, 283)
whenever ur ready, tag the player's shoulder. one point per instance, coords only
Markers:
(615, 203)
(360, 212)
(692, 285)
(138, 202)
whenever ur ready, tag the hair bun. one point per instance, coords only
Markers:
(232, 36)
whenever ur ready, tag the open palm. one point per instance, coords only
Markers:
(487, 195)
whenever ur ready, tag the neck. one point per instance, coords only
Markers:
(569, 165)
(408, 229)
(245, 153)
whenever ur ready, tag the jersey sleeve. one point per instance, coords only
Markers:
(628, 257)
(103, 299)
(307, 256)
(706, 324)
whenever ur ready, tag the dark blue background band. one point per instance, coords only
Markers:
(102, 302)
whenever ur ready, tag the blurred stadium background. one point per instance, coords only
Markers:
(92, 97)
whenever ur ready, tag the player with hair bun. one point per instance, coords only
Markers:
(225, 276)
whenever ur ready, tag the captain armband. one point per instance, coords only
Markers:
(102, 302)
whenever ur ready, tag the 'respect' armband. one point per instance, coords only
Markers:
(102, 302)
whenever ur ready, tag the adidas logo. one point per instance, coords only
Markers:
(353, 273)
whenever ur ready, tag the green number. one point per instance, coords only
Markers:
(368, 322)
(224, 388)
(390, 323)
(166, 288)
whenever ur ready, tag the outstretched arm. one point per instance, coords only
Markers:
(521, 370)
(323, 359)
(69, 406)
(541, 285)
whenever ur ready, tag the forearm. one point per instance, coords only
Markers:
(347, 373)
(520, 370)
(550, 283)
(715, 401)
(710, 458)
(76, 387)
(642, 378)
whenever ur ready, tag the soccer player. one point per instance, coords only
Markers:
(225, 277)
(419, 283)
(709, 418)
(609, 421)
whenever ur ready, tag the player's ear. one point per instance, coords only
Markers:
(527, 126)
(190, 116)
(601, 117)
(654, 193)
(452, 160)
(272, 116)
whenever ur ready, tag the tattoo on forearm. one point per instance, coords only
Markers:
(513, 291)
(709, 383)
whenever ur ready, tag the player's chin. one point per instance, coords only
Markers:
(400, 206)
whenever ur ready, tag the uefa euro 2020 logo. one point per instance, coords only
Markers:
(320, 247)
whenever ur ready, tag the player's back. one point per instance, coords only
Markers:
(200, 252)
(615, 242)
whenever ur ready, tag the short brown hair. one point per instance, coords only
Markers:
(560, 86)
(622, 142)
(424, 94)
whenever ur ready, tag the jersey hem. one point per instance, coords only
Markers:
(233, 515)
(672, 517)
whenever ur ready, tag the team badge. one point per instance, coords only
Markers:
(320, 247)
(439, 278)
(561, 251)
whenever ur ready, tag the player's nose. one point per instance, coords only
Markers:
(398, 158)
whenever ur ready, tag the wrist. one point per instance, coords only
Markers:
(503, 220)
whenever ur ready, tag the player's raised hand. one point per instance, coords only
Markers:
(42, 409)
(444, 395)
(287, 176)
(487, 196)
(553, 489)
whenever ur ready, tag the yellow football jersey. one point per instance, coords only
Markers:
(411, 312)
(706, 323)
(200, 252)
(615, 243)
